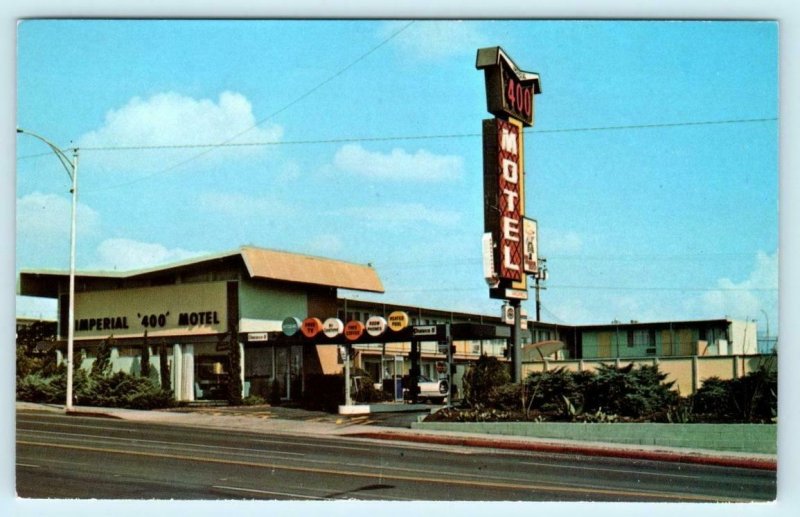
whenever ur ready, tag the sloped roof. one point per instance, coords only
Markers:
(260, 263)
(305, 269)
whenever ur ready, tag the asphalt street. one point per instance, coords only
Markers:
(61, 456)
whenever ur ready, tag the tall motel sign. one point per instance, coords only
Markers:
(510, 249)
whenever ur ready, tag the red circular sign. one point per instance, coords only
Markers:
(353, 330)
(311, 327)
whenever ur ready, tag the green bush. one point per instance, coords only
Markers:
(628, 391)
(506, 397)
(117, 390)
(253, 400)
(482, 378)
(749, 399)
(36, 388)
(363, 389)
(557, 392)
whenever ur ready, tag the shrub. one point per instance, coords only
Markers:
(253, 400)
(506, 397)
(482, 377)
(35, 388)
(101, 367)
(712, 400)
(557, 392)
(364, 388)
(118, 390)
(164, 366)
(752, 398)
(234, 394)
(628, 392)
(145, 367)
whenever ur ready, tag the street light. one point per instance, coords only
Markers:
(71, 167)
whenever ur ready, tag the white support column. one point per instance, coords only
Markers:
(114, 359)
(187, 373)
(177, 370)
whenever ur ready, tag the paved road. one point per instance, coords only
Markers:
(61, 456)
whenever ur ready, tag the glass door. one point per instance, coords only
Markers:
(283, 369)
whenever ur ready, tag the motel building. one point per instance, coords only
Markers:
(195, 310)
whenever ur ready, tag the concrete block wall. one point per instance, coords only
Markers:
(753, 438)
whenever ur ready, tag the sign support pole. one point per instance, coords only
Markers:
(347, 401)
(449, 341)
(516, 341)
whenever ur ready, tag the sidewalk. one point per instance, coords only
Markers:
(266, 419)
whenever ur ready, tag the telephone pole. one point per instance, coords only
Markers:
(540, 276)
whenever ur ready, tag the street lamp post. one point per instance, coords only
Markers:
(71, 166)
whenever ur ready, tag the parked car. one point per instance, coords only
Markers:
(430, 390)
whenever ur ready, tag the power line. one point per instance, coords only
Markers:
(286, 142)
(645, 288)
(594, 287)
(230, 143)
(413, 264)
(653, 126)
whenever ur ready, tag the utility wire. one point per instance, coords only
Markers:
(229, 142)
(595, 287)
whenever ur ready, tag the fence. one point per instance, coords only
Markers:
(688, 372)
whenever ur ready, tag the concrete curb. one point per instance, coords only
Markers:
(679, 457)
(698, 457)
(95, 414)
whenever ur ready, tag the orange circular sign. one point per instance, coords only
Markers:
(311, 327)
(353, 330)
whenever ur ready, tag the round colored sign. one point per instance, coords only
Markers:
(376, 326)
(332, 327)
(353, 330)
(311, 327)
(398, 320)
(291, 325)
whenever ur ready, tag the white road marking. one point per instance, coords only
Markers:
(267, 492)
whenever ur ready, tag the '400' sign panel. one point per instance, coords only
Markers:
(509, 91)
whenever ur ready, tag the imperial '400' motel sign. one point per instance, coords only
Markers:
(510, 95)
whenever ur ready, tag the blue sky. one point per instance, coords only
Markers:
(652, 168)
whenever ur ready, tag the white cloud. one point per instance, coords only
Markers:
(127, 254)
(399, 165)
(242, 206)
(555, 241)
(404, 213)
(326, 244)
(43, 229)
(167, 119)
(746, 299)
(436, 40)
